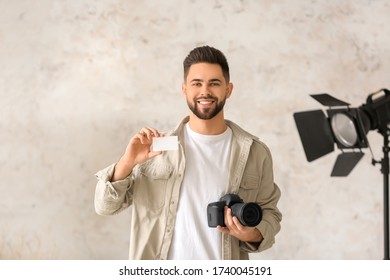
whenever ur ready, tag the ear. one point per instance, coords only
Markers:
(229, 90)
(184, 89)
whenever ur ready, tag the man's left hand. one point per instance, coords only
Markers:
(236, 229)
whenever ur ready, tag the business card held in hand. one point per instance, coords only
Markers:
(167, 143)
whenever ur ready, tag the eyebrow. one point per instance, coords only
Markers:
(211, 80)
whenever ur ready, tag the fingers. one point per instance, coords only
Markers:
(232, 222)
(149, 132)
(138, 149)
(146, 134)
(236, 229)
(233, 225)
(223, 229)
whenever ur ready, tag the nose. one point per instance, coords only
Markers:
(205, 90)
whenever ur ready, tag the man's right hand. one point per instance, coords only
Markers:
(137, 151)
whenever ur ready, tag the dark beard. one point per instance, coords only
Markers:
(209, 113)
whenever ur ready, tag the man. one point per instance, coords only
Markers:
(169, 191)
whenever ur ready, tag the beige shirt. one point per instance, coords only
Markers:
(153, 191)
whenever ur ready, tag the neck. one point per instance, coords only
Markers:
(213, 126)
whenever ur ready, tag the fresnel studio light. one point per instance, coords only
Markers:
(347, 128)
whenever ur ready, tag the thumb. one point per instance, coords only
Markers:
(154, 154)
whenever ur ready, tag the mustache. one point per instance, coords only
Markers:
(208, 96)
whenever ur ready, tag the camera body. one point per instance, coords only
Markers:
(249, 214)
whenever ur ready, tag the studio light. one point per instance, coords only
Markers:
(343, 127)
(346, 128)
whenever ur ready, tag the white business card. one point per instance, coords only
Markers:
(167, 143)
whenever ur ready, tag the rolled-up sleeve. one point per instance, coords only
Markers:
(268, 227)
(268, 198)
(111, 197)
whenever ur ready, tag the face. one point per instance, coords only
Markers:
(206, 90)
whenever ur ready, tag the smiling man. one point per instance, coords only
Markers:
(170, 190)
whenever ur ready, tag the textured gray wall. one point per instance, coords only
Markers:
(77, 78)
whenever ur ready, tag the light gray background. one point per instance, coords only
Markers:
(78, 78)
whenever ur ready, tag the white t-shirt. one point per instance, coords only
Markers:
(205, 181)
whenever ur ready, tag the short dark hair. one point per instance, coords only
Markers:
(209, 55)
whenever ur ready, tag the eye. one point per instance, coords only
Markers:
(196, 84)
(214, 84)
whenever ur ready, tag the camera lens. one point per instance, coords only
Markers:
(249, 214)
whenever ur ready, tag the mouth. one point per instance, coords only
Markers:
(205, 102)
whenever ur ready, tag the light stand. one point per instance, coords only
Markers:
(385, 171)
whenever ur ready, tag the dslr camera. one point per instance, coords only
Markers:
(249, 214)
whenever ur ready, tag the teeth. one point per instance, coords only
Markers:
(205, 102)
